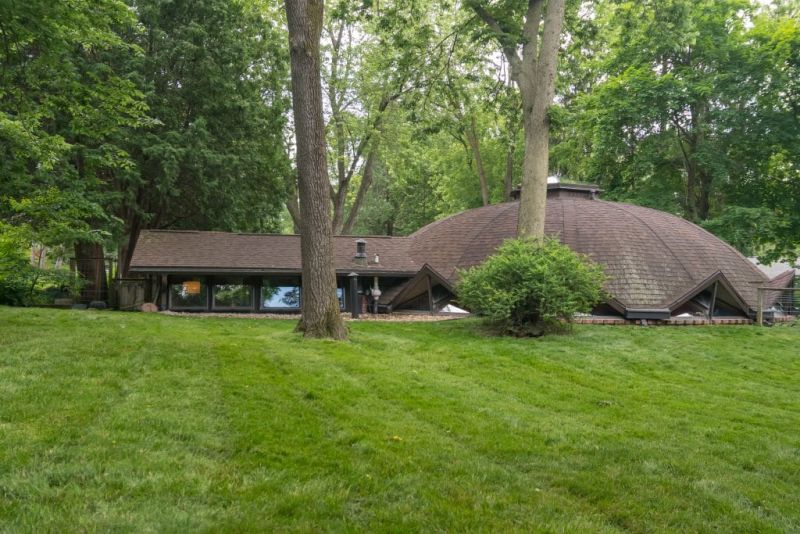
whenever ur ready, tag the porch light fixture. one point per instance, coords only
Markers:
(376, 291)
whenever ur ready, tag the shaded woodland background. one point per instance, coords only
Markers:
(117, 116)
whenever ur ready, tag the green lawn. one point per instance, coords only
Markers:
(131, 422)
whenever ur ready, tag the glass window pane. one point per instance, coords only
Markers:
(340, 296)
(280, 294)
(233, 293)
(188, 293)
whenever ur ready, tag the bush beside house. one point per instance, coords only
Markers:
(528, 288)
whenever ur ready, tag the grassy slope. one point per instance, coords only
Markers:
(133, 421)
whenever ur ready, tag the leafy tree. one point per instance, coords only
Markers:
(61, 104)
(15, 268)
(376, 58)
(145, 114)
(744, 228)
(214, 76)
(58, 100)
(453, 137)
(405, 195)
(691, 107)
(474, 102)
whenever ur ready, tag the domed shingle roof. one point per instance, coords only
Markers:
(653, 260)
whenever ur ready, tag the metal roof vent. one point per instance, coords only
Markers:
(361, 250)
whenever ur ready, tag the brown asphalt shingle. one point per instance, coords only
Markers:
(651, 258)
(175, 251)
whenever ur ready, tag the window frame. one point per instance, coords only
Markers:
(281, 281)
(343, 299)
(171, 281)
(226, 280)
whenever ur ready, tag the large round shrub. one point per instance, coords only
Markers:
(528, 288)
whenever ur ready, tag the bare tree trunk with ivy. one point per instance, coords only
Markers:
(534, 72)
(320, 306)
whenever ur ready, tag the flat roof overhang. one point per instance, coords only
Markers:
(235, 270)
(648, 313)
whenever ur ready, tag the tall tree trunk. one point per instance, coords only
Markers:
(335, 101)
(691, 191)
(704, 178)
(343, 177)
(126, 249)
(698, 189)
(366, 182)
(535, 166)
(90, 263)
(293, 204)
(474, 144)
(508, 182)
(698, 180)
(534, 72)
(704, 196)
(538, 75)
(320, 306)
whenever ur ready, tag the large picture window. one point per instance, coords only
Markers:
(280, 294)
(232, 294)
(340, 296)
(190, 293)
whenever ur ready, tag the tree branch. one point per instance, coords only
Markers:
(366, 182)
(506, 40)
(548, 52)
(530, 30)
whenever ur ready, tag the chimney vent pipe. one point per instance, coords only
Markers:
(361, 249)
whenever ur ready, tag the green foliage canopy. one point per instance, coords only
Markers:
(61, 104)
(690, 107)
(117, 116)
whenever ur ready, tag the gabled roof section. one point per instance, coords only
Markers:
(416, 286)
(783, 280)
(724, 283)
(195, 251)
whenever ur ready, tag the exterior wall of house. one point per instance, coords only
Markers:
(278, 293)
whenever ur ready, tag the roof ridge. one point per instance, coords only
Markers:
(176, 231)
(270, 234)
